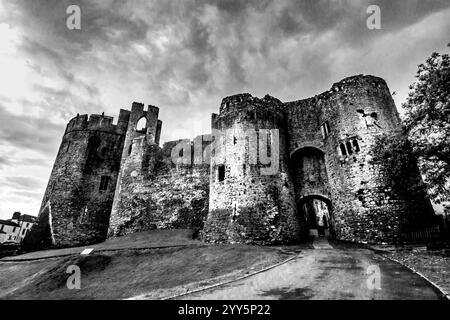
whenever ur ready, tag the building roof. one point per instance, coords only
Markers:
(27, 218)
(16, 215)
(9, 223)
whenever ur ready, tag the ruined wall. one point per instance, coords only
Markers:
(156, 193)
(153, 192)
(79, 198)
(151, 133)
(245, 204)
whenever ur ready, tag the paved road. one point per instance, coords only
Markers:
(335, 271)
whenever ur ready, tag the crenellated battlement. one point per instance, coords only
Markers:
(99, 122)
(349, 84)
(230, 103)
(249, 109)
(235, 103)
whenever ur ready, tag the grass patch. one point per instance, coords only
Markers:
(127, 273)
(433, 265)
(140, 240)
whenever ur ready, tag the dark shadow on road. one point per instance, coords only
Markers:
(289, 293)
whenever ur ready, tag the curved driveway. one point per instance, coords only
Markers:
(338, 271)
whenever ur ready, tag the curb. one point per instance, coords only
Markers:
(220, 283)
(436, 286)
(99, 251)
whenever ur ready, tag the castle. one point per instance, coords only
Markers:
(111, 179)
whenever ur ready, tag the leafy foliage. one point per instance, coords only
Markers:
(428, 123)
(395, 153)
(426, 136)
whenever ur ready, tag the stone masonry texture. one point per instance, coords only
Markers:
(109, 179)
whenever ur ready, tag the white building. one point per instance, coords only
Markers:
(9, 231)
(15, 229)
(2, 236)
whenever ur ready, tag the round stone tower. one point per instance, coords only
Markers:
(251, 191)
(79, 195)
(342, 125)
(357, 110)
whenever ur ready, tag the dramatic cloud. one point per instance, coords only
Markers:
(26, 132)
(23, 182)
(3, 161)
(185, 56)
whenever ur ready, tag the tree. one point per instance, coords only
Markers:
(427, 122)
(394, 152)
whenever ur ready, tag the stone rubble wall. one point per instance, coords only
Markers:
(156, 193)
(247, 206)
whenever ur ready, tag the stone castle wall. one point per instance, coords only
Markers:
(357, 110)
(79, 207)
(156, 193)
(222, 184)
(247, 205)
(153, 191)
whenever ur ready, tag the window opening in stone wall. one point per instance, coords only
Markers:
(130, 148)
(221, 172)
(349, 148)
(356, 146)
(142, 125)
(343, 151)
(83, 216)
(104, 183)
(244, 169)
(68, 146)
(269, 144)
(325, 128)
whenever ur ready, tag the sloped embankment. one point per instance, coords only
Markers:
(128, 272)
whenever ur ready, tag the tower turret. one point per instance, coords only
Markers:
(332, 159)
(79, 195)
(251, 192)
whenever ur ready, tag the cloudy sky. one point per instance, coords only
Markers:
(184, 56)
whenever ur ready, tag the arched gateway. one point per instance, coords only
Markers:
(312, 190)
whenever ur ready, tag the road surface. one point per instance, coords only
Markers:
(336, 271)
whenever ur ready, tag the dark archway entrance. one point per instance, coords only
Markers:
(312, 191)
(317, 212)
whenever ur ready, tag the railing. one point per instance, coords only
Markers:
(427, 234)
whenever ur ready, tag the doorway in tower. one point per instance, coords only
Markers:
(317, 216)
(312, 191)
